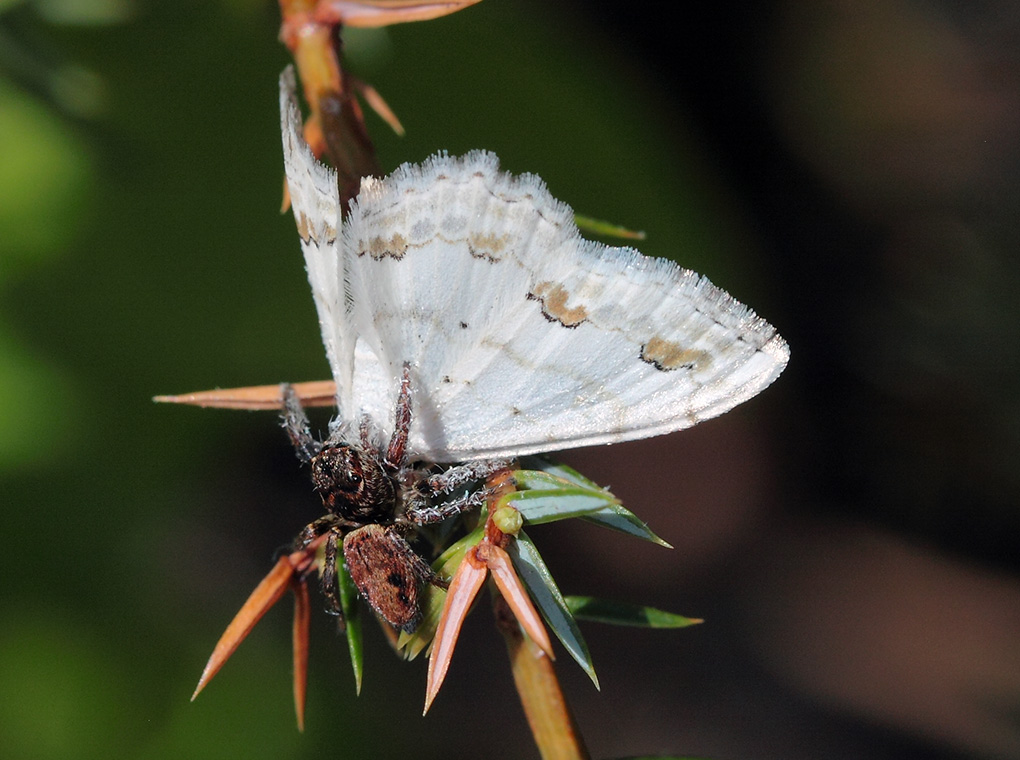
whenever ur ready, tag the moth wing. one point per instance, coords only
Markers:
(315, 201)
(522, 336)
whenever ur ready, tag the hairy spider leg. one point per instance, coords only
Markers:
(328, 580)
(313, 530)
(395, 452)
(384, 567)
(366, 432)
(295, 422)
(421, 511)
(462, 474)
(424, 512)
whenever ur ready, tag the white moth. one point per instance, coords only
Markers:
(520, 336)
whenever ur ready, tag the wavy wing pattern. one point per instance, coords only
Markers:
(522, 336)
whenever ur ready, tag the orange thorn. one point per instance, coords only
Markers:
(376, 103)
(462, 592)
(315, 393)
(302, 619)
(373, 13)
(516, 596)
(265, 595)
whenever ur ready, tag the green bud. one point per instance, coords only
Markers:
(508, 520)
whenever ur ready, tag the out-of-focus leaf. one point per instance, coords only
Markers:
(624, 613)
(606, 229)
(536, 576)
(45, 167)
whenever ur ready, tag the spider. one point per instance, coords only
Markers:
(374, 498)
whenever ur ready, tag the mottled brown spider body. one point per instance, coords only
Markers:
(372, 499)
(354, 484)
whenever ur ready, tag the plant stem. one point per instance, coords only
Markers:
(549, 717)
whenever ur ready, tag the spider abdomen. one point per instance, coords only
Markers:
(387, 572)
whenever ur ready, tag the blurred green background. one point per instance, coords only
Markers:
(851, 536)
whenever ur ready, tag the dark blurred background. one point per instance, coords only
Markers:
(850, 536)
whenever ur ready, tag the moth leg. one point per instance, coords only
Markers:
(462, 474)
(295, 422)
(402, 426)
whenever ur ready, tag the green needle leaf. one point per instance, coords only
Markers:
(352, 616)
(550, 602)
(619, 518)
(541, 480)
(624, 613)
(553, 480)
(544, 466)
(548, 505)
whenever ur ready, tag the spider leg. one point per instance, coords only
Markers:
(295, 422)
(422, 512)
(328, 580)
(462, 474)
(365, 433)
(402, 426)
(313, 530)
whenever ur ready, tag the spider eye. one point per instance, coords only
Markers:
(337, 469)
